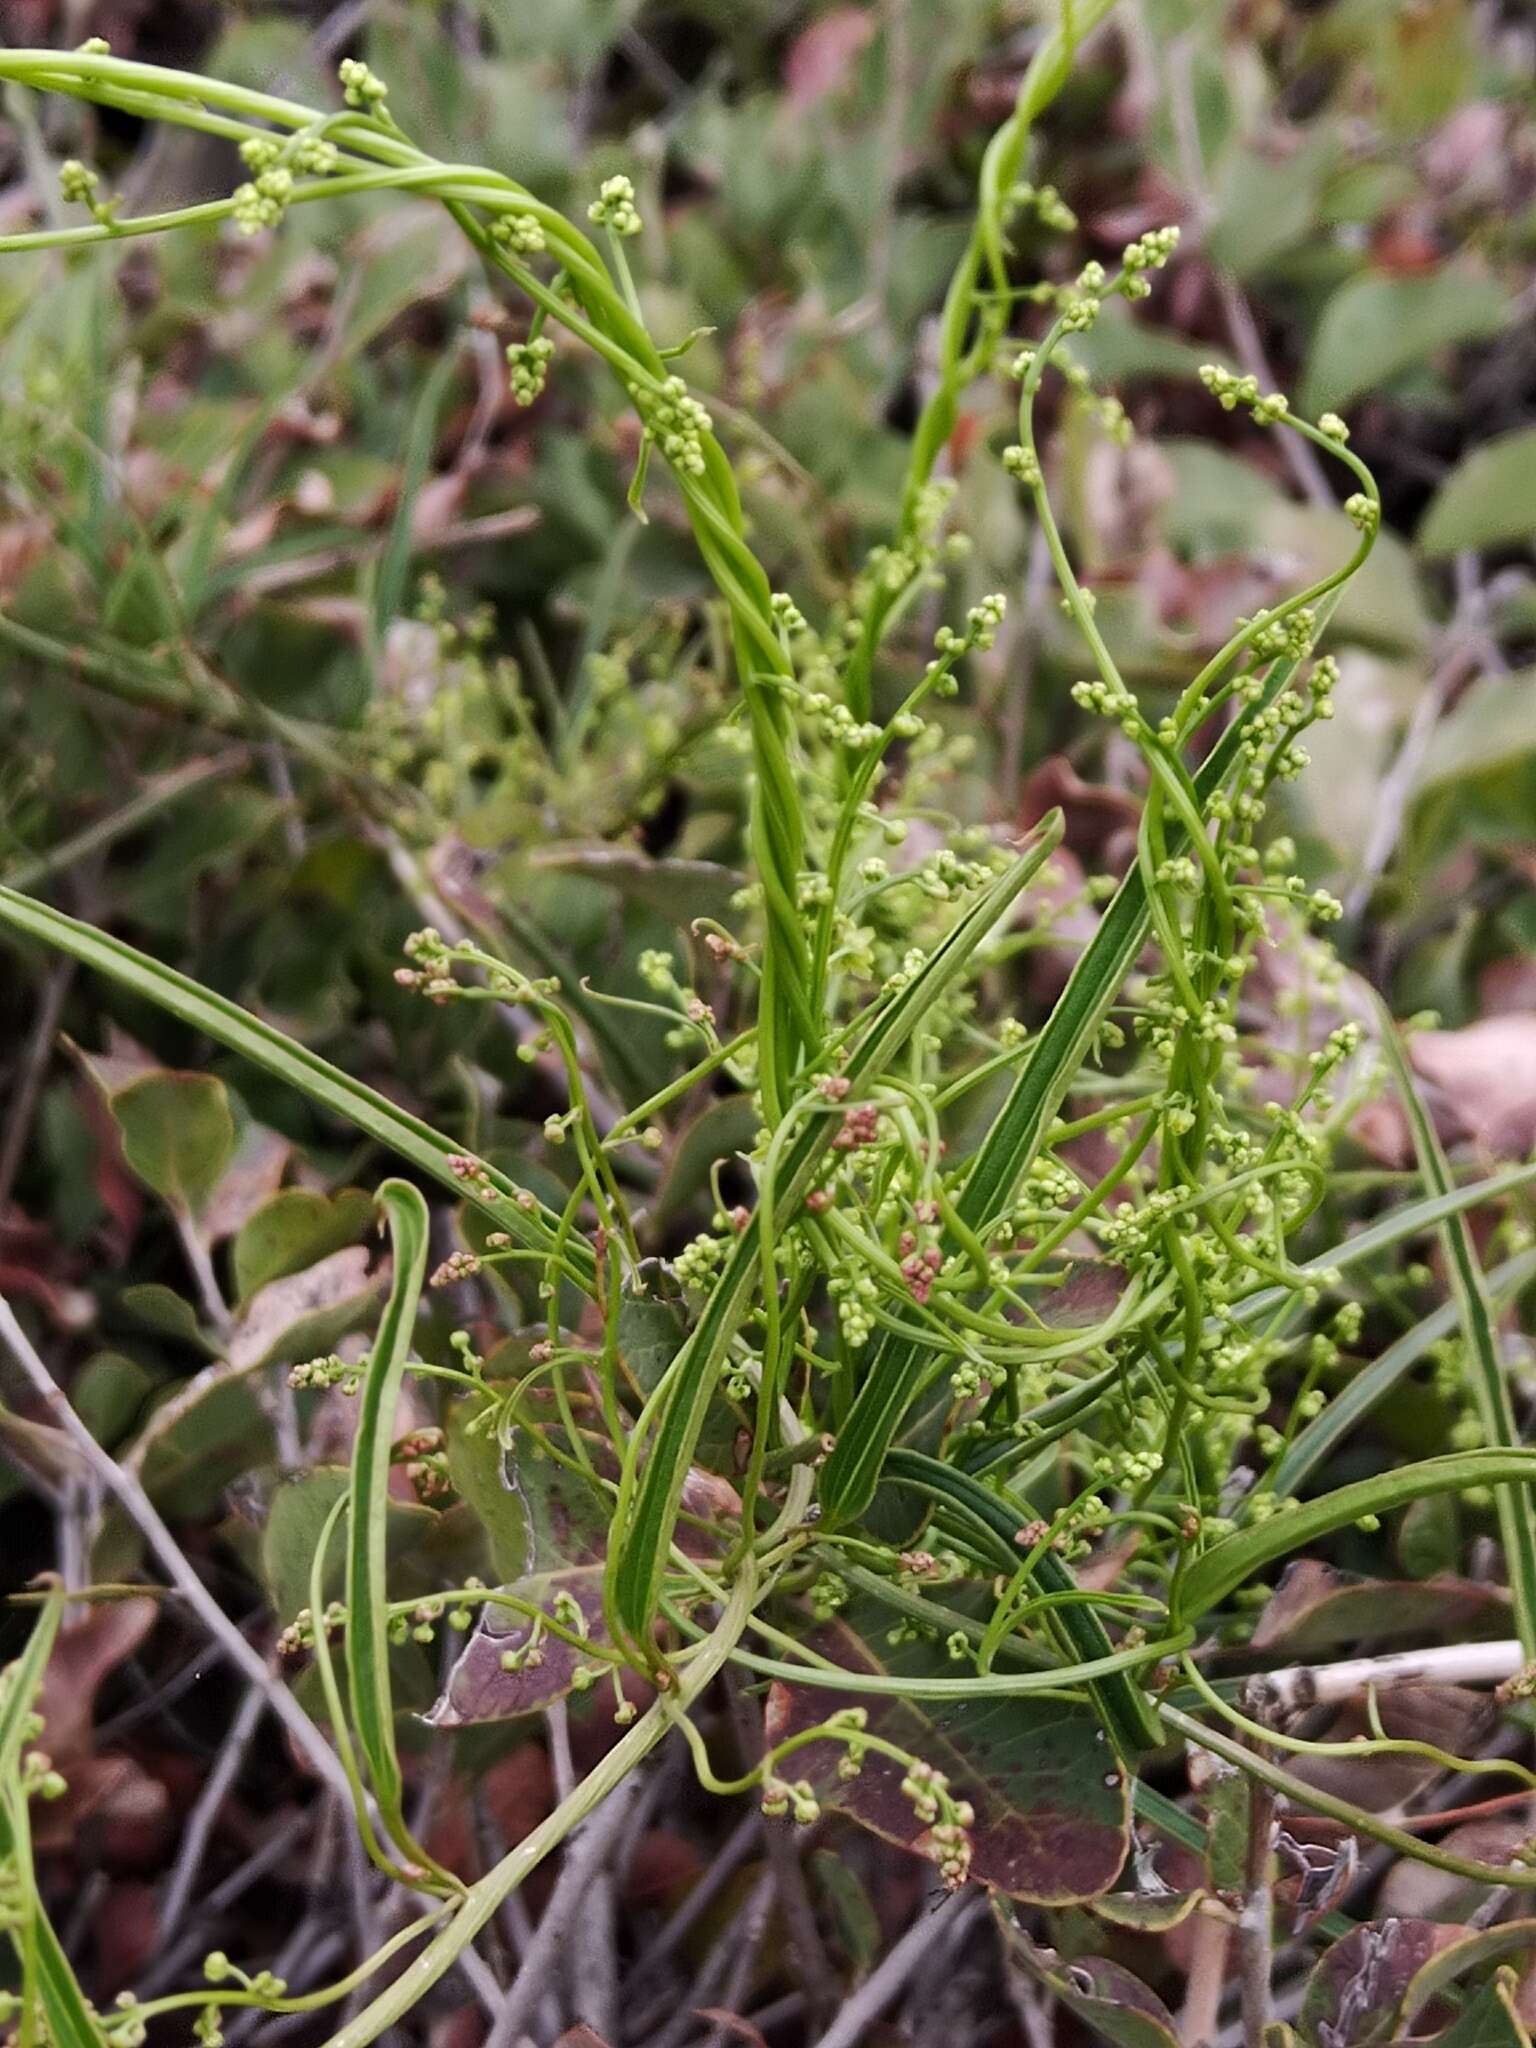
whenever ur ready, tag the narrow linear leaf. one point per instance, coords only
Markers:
(646, 1513)
(1517, 1510)
(1122, 1707)
(277, 1054)
(367, 1637)
(1227, 1564)
(896, 1368)
(70, 2023)
(1326, 1431)
(415, 461)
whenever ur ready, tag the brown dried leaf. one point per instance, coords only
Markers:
(1481, 1081)
(1316, 1608)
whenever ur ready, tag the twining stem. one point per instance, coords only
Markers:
(485, 1898)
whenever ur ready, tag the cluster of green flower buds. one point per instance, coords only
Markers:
(1363, 511)
(519, 231)
(614, 208)
(1148, 252)
(330, 1371)
(1046, 204)
(945, 1818)
(797, 1799)
(676, 421)
(80, 184)
(361, 87)
(1231, 390)
(528, 363)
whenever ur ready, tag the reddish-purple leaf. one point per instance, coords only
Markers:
(1116, 2006)
(1052, 1807)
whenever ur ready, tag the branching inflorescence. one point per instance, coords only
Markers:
(884, 1312)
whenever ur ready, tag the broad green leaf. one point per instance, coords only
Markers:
(305, 1314)
(1052, 1804)
(548, 1530)
(1219, 501)
(1374, 328)
(109, 1394)
(1426, 62)
(1265, 203)
(161, 1308)
(540, 1516)
(1429, 1537)
(651, 1332)
(1491, 725)
(191, 1461)
(178, 1134)
(297, 1227)
(678, 890)
(1488, 500)
(1488, 2019)
(291, 1536)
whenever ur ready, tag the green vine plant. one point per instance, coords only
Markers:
(882, 1429)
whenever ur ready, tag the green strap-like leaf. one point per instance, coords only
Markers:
(669, 1425)
(1352, 1403)
(1517, 1510)
(53, 1984)
(1236, 1559)
(897, 1368)
(277, 1054)
(367, 1638)
(1123, 1708)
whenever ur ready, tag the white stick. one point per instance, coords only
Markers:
(1308, 1685)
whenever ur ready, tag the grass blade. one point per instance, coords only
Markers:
(1236, 1559)
(1517, 1510)
(47, 1978)
(367, 1638)
(1317, 1440)
(415, 460)
(277, 1054)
